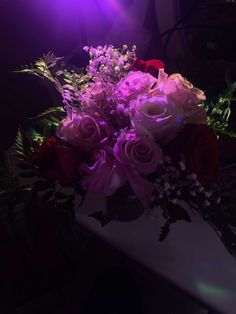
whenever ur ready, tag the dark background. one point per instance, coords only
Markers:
(29, 28)
(200, 45)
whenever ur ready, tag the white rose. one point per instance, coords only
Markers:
(157, 118)
(180, 91)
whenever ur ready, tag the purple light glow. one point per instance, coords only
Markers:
(65, 26)
(114, 6)
(65, 10)
(86, 20)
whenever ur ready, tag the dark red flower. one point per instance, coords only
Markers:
(199, 146)
(150, 66)
(57, 160)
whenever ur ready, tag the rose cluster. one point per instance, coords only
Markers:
(124, 127)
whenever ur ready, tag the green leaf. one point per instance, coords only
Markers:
(227, 132)
(164, 231)
(177, 212)
(123, 206)
(218, 112)
(49, 112)
(172, 213)
(47, 127)
(42, 69)
(22, 145)
(230, 90)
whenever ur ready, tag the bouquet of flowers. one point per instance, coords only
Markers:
(127, 131)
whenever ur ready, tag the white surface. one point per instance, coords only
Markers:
(192, 256)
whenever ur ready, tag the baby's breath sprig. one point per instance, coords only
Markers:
(174, 187)
(109, 64)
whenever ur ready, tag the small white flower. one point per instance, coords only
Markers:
(208, 194)
(192, 193)
(191, 176)
(166, 186)
(201, 189)
(117, 69)
(206, 203)
(182, 165)
(127, 67)
(86, 48)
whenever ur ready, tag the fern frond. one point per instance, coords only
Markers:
(22, 145)
(42, 69)
(49, 112)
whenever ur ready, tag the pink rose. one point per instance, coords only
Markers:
(137, 152)
(84, 131)
(105, 175)
(182, 92)
(156, 118)
(133, 85)
(93, 95)
(140, 157)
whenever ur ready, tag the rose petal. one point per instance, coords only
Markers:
(141, 187)
(105, 176)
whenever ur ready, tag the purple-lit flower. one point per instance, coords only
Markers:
(149, 66)
(140, 157)
(134, 84)
(137, 152)
(156, 117)
(109, 64)
(85, 131)
(182, 92)
(105, 175)
(93, 95)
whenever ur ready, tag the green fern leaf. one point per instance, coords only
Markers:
(50, 111)
(22, 146)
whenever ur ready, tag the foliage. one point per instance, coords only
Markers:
(42, 68)
(22, 192)
(67, 83)
(218, 112)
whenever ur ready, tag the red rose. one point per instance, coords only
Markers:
(199, 146)
(57, 160)
(150, 66)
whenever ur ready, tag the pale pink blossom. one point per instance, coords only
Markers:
(133, 85)
(105, 175)
(85, 131)
(180, 91)
(156, 118)
(140, 157)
